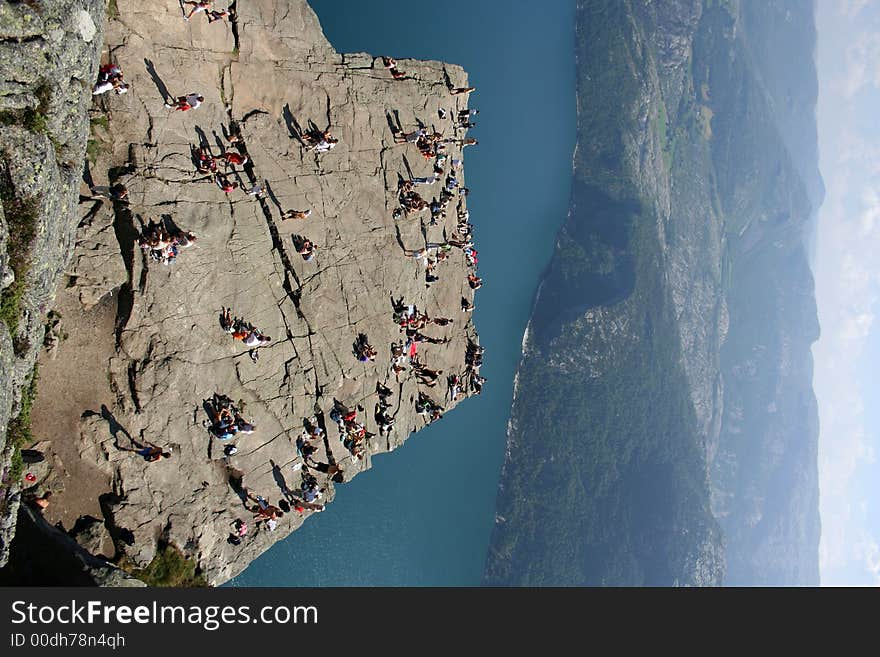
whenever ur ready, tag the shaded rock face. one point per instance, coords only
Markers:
(48, 61)
(267, 75)
(42, 555)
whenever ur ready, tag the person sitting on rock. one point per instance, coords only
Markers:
(384, 421)
(309, 487)
(225, 184)
(255, 338)
(305, 448)
(40, 502)
(428, 408)
(475, 282)
(241, 426)
(110, 79)
(205, 163)
(239, 531)
(454, 384)
(305, 247)
(186, 103)
(224, 419)
(362, 349)
(232, 158)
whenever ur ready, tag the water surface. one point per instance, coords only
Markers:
(423, 515)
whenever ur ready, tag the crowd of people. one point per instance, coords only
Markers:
(441, 151)
(163, 240)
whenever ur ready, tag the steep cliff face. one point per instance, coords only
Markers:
(144, 347)
(48, 62)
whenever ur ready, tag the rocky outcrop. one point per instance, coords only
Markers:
(48, 61)
(43, 555)
(267, 75)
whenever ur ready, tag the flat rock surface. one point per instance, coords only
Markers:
(273, 72)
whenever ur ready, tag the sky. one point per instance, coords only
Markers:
(847, 270)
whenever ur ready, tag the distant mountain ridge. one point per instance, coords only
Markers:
(664, 428)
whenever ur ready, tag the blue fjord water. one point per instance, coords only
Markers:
(423, 515)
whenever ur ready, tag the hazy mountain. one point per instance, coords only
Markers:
(664, 420)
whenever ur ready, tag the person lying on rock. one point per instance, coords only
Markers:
(296, 214)
(150, 452)
(197, 6)
(410, 137)
(186, 103)
(242, 330)
(425, 180)
(424, 374)
(455, 91)
(214, 15)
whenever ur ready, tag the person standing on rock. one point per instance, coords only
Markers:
(186, 103)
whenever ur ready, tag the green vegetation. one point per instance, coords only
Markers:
(18, 432)
(93, 150)
(112, 10)
(169, 568)
(95, 146)
(100, 121)
(21, 218)
(29, 118)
